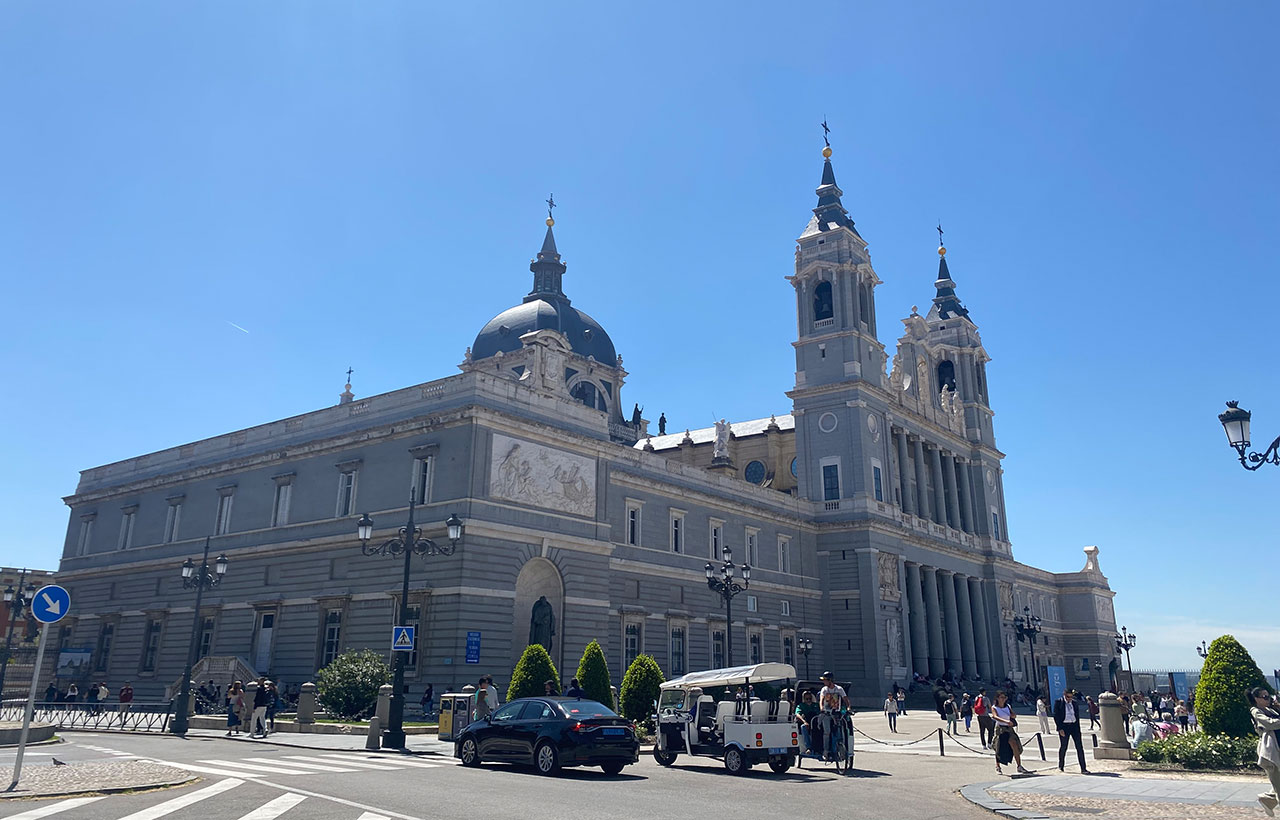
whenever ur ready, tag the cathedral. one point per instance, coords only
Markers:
(870, 511)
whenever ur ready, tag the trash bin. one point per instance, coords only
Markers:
(455, 714)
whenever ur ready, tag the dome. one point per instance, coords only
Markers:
(503, 332)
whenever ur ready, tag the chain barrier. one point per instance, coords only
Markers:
(887, 743)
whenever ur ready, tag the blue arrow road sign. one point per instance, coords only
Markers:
(402, 638)
(50, 604)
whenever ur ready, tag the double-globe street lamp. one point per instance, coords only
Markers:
(198, 578)
(806, 646)
(1125, 641)
(1027, 627)
(17, 601)
(408, 542)
(1235, 421)
(1203, 649)
(726, 586)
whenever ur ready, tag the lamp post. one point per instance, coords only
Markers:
(1125, 641)
(723, 584)
(805, 646)
(1203, 649)
(409, 542)
(1235, 421)
(17, 601)
(1028, 626)
(197, 578)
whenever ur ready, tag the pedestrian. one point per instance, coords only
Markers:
(428, 695)
(891, 711)
(260, 700)
(492, 694)
(1066, 716)
(1126, 712)
(273, 704)
(966, 712)
(482, 708)
(1094, 709)
(73, 693)
(953, 714)
(1266, 722)
(1007, 745)
(1179, 711)
(902, 702)
(986, 724)
(126, 701)
(51, 693)
(1042, 715)
(574, 690)
(235, 708)
(549, 688)
(91, 699)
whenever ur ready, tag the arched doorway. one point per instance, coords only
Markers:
(539, 578)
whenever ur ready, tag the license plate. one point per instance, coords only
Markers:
(774, 751)
(615, 731)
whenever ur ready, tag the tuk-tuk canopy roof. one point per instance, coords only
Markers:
(758, 673)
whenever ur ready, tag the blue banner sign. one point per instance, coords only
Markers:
(1057, 682)
(473, 647)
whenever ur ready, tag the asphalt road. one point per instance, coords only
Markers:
(884, 786)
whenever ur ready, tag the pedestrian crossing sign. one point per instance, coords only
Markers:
(402, 638)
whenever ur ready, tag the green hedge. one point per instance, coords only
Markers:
(532, 670)
(1222, 700)
(1199, 750)
(640, 688)
(348, 687)
(593, 675)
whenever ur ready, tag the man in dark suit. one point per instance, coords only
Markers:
(1066, 716)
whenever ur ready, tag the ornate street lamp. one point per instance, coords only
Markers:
(726, 586)
(1235, 421)
(1203, 649)
(1027, 627)
(17, 600)
(1125, 641)
(805, 646)
(409, 542)
(198, 578)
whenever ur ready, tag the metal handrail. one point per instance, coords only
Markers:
(140, 716)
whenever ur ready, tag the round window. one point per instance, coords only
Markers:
(793, 468)
(755, 472)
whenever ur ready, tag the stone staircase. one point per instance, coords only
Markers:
(222, 669)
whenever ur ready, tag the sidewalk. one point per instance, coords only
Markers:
(44, 779)
(1117, 796)
(418, 744)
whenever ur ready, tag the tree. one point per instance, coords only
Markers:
(532, 670)
(640, 688)
(593, 675)
(1222, 702)
(348, 687)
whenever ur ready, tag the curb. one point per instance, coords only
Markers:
(148, 787)
(976, 793)
(49, 742)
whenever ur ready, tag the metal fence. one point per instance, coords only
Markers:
(134, 717)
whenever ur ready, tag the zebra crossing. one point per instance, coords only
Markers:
(297, 764)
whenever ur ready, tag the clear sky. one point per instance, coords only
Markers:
(209, 211)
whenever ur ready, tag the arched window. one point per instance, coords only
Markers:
(587, 393)
(822, 305)
(946, 375)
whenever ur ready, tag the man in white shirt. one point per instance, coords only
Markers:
(1066, 716)
(831, 699)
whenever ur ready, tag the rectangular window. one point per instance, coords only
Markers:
(106, 636)
(422, 479)
(717, 649)
(347, 493)
(126, 527)
(717, 538)
(206, 637)
(877, 480)
(414, 620)
(172, 520)
(756, 656)
(788, 650)
(830, 482)
(677, 651)
(753, 546)
(631, 645)
(151, 645)
(677, 531)
(332, 635)
(86, 534)
(633, 524)
(995, 524)
(222, 523)
(280, 507)
(784, 554)
(786, 607)
(753, 603)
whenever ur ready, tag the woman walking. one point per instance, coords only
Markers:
(966, 712)
(235, 704)
(1042, 715)
(1008, 746)
(1266, 722)
(891, 711)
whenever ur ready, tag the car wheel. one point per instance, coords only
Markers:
(612, 768)
(546, 759)
(469, 754)
(664, 758)
(780, 764)
(735, 761)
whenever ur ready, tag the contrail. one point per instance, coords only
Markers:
(236, 326)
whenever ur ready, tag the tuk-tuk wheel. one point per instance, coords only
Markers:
(781, 764)
(664, 758)
(735, 761)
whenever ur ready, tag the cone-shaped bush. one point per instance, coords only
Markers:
(532, 670)
(348, 686)
(640, 688)
(1222, 700)
(593, 675)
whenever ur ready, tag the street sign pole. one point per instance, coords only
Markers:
(31, 707)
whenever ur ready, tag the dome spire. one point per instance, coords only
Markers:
(945, 304)
(830, 213)
(546, 266)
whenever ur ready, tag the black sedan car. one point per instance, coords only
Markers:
(551, 732)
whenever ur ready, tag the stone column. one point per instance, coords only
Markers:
(922, 486)
(966, 626)
(908, 651)
(966, 496)
(939, 492)
(919, 624)
(981, 645)
(904, 484)
(937, 664)
(949, 484)
(954, 658)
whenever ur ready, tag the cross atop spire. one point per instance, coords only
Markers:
(825, 132)
(551, 203)
(945, 304)
(546, 266)
(941, 244)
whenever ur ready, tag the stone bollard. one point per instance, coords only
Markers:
(307, 704)
(384, 703)
(1113, 744)
(613, 691)
(191, 699)
(374, 741)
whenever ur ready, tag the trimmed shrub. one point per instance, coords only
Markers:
(348, 687)
(532, 670)
(593, 675)
(1198, 750)
(1222, 700)
(640, 688)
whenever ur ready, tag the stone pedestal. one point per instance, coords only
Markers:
(723, 464)
(383, 710)
(1112, 745)
(374, 740)
(307, 704)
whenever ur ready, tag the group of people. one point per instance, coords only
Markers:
(821, 716)
(96, 694)
(256, 712)
(1155, 707)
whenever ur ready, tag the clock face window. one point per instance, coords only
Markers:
(755, 472)
(793, 468)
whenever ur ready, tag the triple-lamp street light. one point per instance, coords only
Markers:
(198, 578)
(805, 646)
(1027, 627)
(726, 586)
(1203, 649)
(408, 542)
(1235, 421)
(1125, 641)
(17, 600)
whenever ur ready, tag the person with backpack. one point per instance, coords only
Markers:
(952, 714)
(986, 726)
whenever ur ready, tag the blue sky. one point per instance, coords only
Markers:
(362, 184)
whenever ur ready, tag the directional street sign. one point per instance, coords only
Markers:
(50, 604)
(402, 638)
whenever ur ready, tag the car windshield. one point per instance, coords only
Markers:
(586, 709)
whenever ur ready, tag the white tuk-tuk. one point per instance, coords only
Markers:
(740, 728)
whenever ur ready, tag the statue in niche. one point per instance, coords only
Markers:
(893, 631)
(635, 415)
(542, 623)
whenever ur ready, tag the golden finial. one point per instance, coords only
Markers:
(826, 152)
(942, 251)
(550, 222)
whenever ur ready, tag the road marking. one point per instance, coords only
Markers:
(255, 767)
(170, 806)
(384, 814)
(277, 807)
(317, 767)
(359, 764)
(205, 769)
(371, 816)
(55, 808)
(400, 761)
